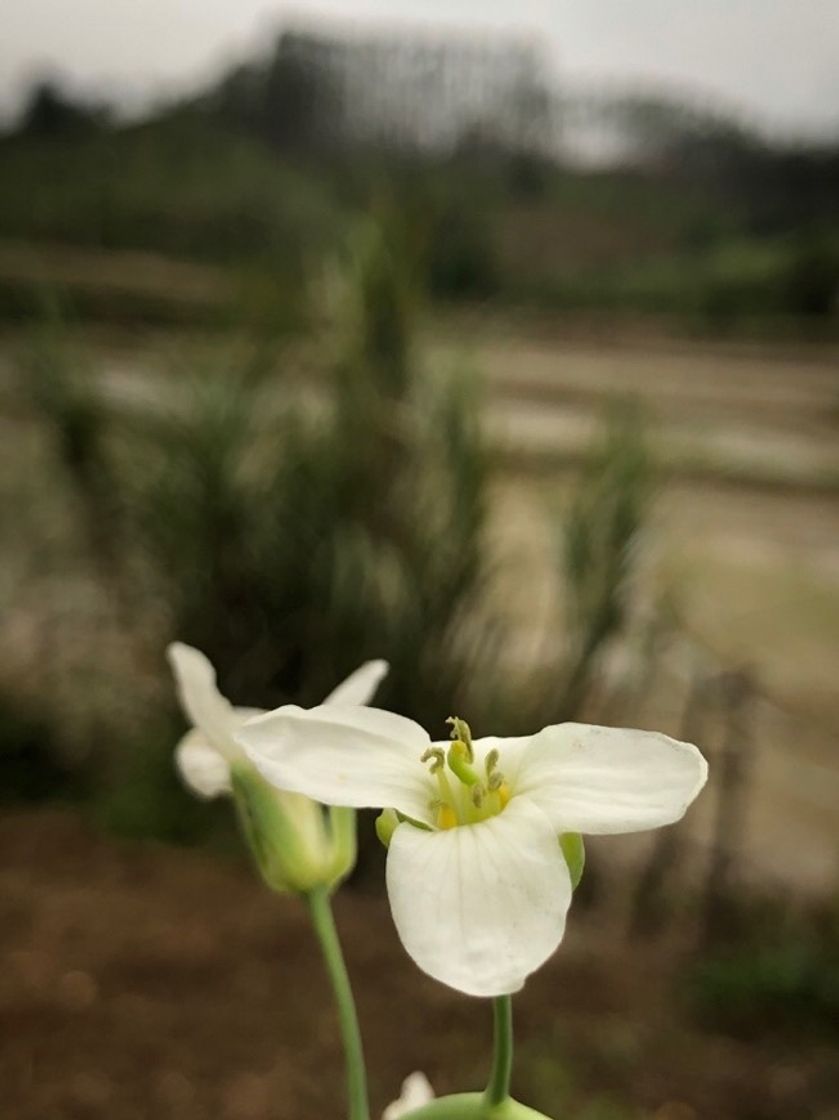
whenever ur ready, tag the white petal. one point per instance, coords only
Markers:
(358, 757)
(482, 906)
(200, 698)
(607, 780)
(204, 770)
(360, 686)
(416, 1091)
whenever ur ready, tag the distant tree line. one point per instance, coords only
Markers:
(50, 111)
(417, 93)
(489, 112)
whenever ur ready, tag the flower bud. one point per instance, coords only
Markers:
(296, 845)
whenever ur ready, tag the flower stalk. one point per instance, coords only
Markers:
(320, 910)
(498, 1089)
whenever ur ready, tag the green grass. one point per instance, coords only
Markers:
(179, 187)
(787, 982)
(619, 241)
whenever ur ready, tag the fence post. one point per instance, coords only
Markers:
(648, 908)
(733, 773)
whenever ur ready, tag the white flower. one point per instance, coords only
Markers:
(416, 1091)
(205, 754)
(294, 845)
(478, 885)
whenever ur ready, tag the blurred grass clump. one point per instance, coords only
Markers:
(290, 524)
(600, 536)
(778, 975)
(293, 508)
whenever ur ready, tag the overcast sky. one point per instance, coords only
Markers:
(777, 60)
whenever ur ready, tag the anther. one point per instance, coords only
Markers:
(436, 756)
(491, 761)
(477, 796)
(462, 732)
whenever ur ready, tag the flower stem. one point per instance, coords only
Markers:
(324, 925)
(498, 1089)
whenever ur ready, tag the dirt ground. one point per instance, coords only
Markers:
(140, 981)
(143, 982)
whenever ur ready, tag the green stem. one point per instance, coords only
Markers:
(498, 1089)
(324, 924)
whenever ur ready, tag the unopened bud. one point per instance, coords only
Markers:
(296, 847)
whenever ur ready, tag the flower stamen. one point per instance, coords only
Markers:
(436, 756)
(462, 731)
(474, 797)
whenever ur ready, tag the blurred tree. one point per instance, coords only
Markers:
(51, 112)
(289, 99)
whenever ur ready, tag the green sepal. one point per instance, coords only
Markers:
(286, 862)
(404, 819)
(574, 851)
(343, 830)
(473, 1106)
(386, 824)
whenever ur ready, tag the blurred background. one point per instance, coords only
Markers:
(506, 348)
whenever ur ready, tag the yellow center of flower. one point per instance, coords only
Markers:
(464, 795)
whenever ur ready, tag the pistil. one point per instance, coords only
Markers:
(473, 799)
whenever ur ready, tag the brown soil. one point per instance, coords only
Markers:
(141, 981)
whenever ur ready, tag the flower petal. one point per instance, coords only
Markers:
(481, 906)
(360, 686)
(358, 757)
(204, 770)
(607, 779)
(416, 1091)
(200, 698)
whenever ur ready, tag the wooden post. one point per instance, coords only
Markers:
(733, 771)
(649, 909)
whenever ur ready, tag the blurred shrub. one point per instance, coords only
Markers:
(51, 112)
(782, 976)
(292, 534)
(812, 279)
(61, 386)
(403, 503)
(555, 1081)
(179, 185)
(292, 528)
(463, 260)
(599, 538)
(30, 762)
(139, 793)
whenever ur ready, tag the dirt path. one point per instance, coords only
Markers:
(144, 982)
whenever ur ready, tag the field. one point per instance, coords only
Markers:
(181, 1003)
(281, 381)
(199, 994)
(745, 534)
